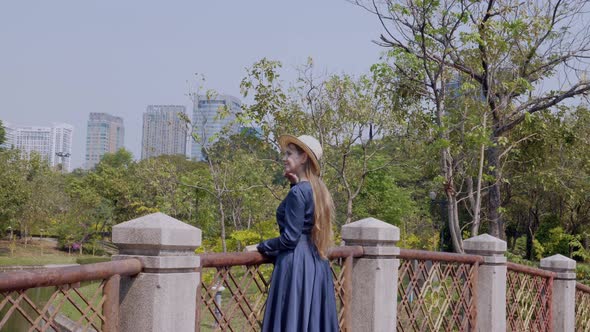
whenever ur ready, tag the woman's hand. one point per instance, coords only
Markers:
(292, 177)
(251, 248)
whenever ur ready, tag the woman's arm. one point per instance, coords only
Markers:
(294, 218)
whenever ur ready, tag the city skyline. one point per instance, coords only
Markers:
(62, 61)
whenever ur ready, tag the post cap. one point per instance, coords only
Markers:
(371, 232)
(156, 234)
(558, 263)
(485, 245)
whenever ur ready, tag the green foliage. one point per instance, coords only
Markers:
(383, 199)
(558, 242)
(583, 273)
(270, 100)
(239, 239)
(538, 250)
(2, 133)
(383, 153)
(261, 231)
(578, 252)
(14, 190)
(518, 259)
(519, 249)
(420, 241)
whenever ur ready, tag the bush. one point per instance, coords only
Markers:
(583, 273)
(520, 260)
(237, 240)
(520, 248)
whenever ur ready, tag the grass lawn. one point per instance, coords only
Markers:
(34, 253)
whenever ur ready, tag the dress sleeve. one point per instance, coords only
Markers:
(294, 219)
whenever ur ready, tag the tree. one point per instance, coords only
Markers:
(89, 211)
(352, 117)
(233, 170)
(2, 133)
(14, 191)
(549, 171)
(508, 50)
(46, 199)
(112, 180)
(349, 116)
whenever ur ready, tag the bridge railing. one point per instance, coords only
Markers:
(97, 308)
(378, 286)
(582, 308)
(528, 298)
(437, 291)
(234, 287)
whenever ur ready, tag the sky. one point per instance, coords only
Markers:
(62, 59)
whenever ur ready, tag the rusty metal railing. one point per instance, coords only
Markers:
(582, 308)
(528, 298)
(234, 287)
(98, 309)
(437, 291)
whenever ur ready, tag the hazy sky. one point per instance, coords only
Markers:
(61, 60)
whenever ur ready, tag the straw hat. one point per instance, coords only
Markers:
(307, 143)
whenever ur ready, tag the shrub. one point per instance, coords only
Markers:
(520, 248)
(583, 273)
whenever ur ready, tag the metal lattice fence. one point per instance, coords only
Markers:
(234, 288)
(528, 298)
(83, 307)
(437, 291)
(84, 298)
(582, 308)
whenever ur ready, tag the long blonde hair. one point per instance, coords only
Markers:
(324, 212)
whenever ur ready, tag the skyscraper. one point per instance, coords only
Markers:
(211, 116)
(53, 144)
(164, 131)
(105, 134)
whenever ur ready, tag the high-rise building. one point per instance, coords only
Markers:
(164, 131)
(211, 116)
(53, 144)
(105, 134)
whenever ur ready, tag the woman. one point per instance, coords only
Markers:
(301, 296)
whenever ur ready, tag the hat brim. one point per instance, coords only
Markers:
(285, 140)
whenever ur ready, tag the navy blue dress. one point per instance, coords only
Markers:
(301, 296)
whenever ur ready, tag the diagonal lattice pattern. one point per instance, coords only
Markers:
(582, 309)
(79, 307)
(241, 292)
(342, 274)
(436, 296)
(240, 303)
(528, 301)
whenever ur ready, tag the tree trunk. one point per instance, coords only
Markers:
(478, 193)
(349, 210)
(454, 226)
(529, 241)
(496, 222)
(452, 209)
(222, 223)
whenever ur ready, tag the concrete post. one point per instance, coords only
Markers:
(491, 283)
(563, 307)
(374, 276)
(163, 296)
